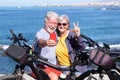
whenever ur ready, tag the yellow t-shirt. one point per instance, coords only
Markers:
(62, 52)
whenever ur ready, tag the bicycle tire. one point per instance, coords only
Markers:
(17, 77)
(8, 77)
(93, 75)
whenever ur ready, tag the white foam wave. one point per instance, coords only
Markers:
(3, 47)
(115, 46)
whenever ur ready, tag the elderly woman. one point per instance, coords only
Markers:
(68, 42)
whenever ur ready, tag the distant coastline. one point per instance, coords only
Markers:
(115, 3)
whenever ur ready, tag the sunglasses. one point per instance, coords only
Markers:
(64, 24)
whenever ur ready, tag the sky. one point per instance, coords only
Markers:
(40, 2)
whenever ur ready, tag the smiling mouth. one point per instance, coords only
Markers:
(52, 28)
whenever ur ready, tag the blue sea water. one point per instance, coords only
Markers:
(100, 24)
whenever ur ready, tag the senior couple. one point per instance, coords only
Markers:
(56, 42)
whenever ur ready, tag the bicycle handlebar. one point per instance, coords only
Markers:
(17, 39)
(52, 65)
(92, 43)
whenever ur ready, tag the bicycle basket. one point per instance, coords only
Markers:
(101, 58)
(17, 53)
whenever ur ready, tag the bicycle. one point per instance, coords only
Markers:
(21, 52)
(108, 71)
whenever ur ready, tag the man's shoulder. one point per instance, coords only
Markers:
(42, 33)
(42, 30)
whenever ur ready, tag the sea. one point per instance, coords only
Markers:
(100, 23)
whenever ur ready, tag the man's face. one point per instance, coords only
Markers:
(51, 24)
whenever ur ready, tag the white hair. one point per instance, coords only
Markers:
(51, 14)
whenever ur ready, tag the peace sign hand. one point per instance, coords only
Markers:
(76, 28)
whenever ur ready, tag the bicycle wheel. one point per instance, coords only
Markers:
(8, 77)
(17, 77)
(93, 75)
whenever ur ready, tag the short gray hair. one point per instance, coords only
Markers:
(62, 17)
(50, 14)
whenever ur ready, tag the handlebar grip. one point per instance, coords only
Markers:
(89, 40)
(12, 32)
(43, 58)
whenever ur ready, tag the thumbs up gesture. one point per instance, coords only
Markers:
(76, 28)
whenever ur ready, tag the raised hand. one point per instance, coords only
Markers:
(51, 42)
(76, 28)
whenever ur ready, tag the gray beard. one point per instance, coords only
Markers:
(50, 30)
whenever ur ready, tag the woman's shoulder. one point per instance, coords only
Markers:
(71, 34)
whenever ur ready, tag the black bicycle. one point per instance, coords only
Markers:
(105, 60)
(21, 52)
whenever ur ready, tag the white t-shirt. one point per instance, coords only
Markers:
(47, 52)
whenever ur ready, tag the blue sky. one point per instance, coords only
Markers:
(39, 2)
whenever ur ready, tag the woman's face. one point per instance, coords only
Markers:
(63, 26)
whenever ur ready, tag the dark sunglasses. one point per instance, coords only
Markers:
(64, 24)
